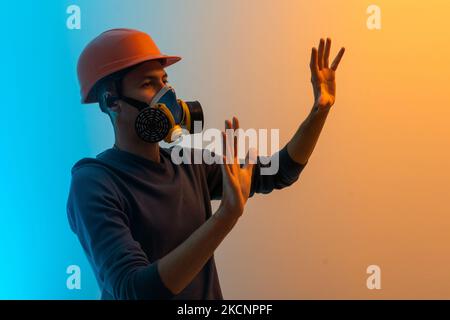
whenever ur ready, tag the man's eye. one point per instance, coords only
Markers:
(148, 84)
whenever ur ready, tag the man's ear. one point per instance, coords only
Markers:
(114, 110)
(115, 106)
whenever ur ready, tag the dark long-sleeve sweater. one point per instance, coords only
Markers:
(128, 212)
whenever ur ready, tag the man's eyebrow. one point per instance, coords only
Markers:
(154, 76)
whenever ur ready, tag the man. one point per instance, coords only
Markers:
(144, 222)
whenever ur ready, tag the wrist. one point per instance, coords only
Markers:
(226, 216)
(318, 109)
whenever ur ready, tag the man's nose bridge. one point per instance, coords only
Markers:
(161, 84)
(157, 87)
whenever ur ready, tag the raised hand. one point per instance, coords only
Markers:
(323, 75)
(236, 180)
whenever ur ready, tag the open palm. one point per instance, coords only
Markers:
(322, 75)
(237, 180)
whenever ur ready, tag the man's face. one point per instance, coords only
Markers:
(141, 83)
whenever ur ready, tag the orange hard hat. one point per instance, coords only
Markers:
(114, 50)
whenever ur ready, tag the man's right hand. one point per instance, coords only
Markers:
(236, 180)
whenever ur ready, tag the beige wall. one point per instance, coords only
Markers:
(375, 190)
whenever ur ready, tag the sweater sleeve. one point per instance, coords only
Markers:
(97, 216)
(270, 173)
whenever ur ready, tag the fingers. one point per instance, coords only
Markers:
(250, 159)
(228, 152)
(227, 137)
(227, 124)
(320, 57)
(326, 54)
(235, 123)
(231, 149)
(226, 171)
(338, 58)
(235, 127)
(314, 64)
(231, 130)
(224, 145)
(321, 49)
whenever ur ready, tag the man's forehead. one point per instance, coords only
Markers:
(148, 69)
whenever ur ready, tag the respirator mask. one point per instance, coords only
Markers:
(166, 116)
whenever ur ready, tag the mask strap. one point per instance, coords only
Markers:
(135, 103)
(118, 88)
(140, 104)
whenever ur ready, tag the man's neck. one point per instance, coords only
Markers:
(143, 149)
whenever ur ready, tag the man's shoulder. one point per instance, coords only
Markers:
(91, 169)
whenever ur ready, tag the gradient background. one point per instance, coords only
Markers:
(375, 190)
